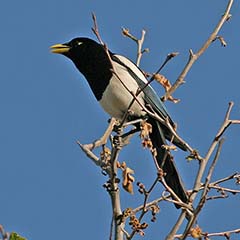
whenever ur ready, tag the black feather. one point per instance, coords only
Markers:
(165, 161)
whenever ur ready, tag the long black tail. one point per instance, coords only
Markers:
(172, 177)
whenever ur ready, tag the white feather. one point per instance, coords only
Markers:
(117, 97)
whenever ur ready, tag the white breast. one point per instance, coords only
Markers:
(116, 98)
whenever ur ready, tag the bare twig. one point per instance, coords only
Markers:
(202, 166)
(204, 193)
(87, 148)
(223, 189)
(168, 58)
(140, 51)
(148, 205)
(212, 167)
(176, 199)
(193, 57)
(95, 28)
(89, 153)
(171, 129)
(139, 43)
(225, 234)
(215, 185)
(233, 176)
(144, 208)
(172, 234)
(227, 122)
(222, 234)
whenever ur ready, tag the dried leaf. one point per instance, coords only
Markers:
(166, 84)
(196, 232)
(155, 209)
(127, 212)
(128, 179)
(144, 225)
(147, 143)
(163, 81)
(105, 154)
(146, 129)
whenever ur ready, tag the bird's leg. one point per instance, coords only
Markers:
(125, 137)
(133, 122)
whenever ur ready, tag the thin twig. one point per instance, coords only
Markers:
(144, 208)
(139, 43)
(202, 166)
(176, 199)
(87, 148)
(148, 205)
(177, 225)
(212, 167)
(233, 191)
(224, 179)
(222, 234)
(205, 191)
(89, 153)
(95, 28)
(201, 170)
(193, 57)
(225, 234)
(140, 51)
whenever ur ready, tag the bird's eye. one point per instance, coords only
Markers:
(79, 43)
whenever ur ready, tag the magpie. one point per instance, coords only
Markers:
(113, 90)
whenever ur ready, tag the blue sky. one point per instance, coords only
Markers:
(49, 189)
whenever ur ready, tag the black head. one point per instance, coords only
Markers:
(91, 60)
(76, 48)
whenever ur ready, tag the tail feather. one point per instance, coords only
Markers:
(172, 177)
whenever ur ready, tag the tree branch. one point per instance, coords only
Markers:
(139, 43)
(193, 57)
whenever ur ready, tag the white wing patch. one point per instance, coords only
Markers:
(116, 97)
(132, 66)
